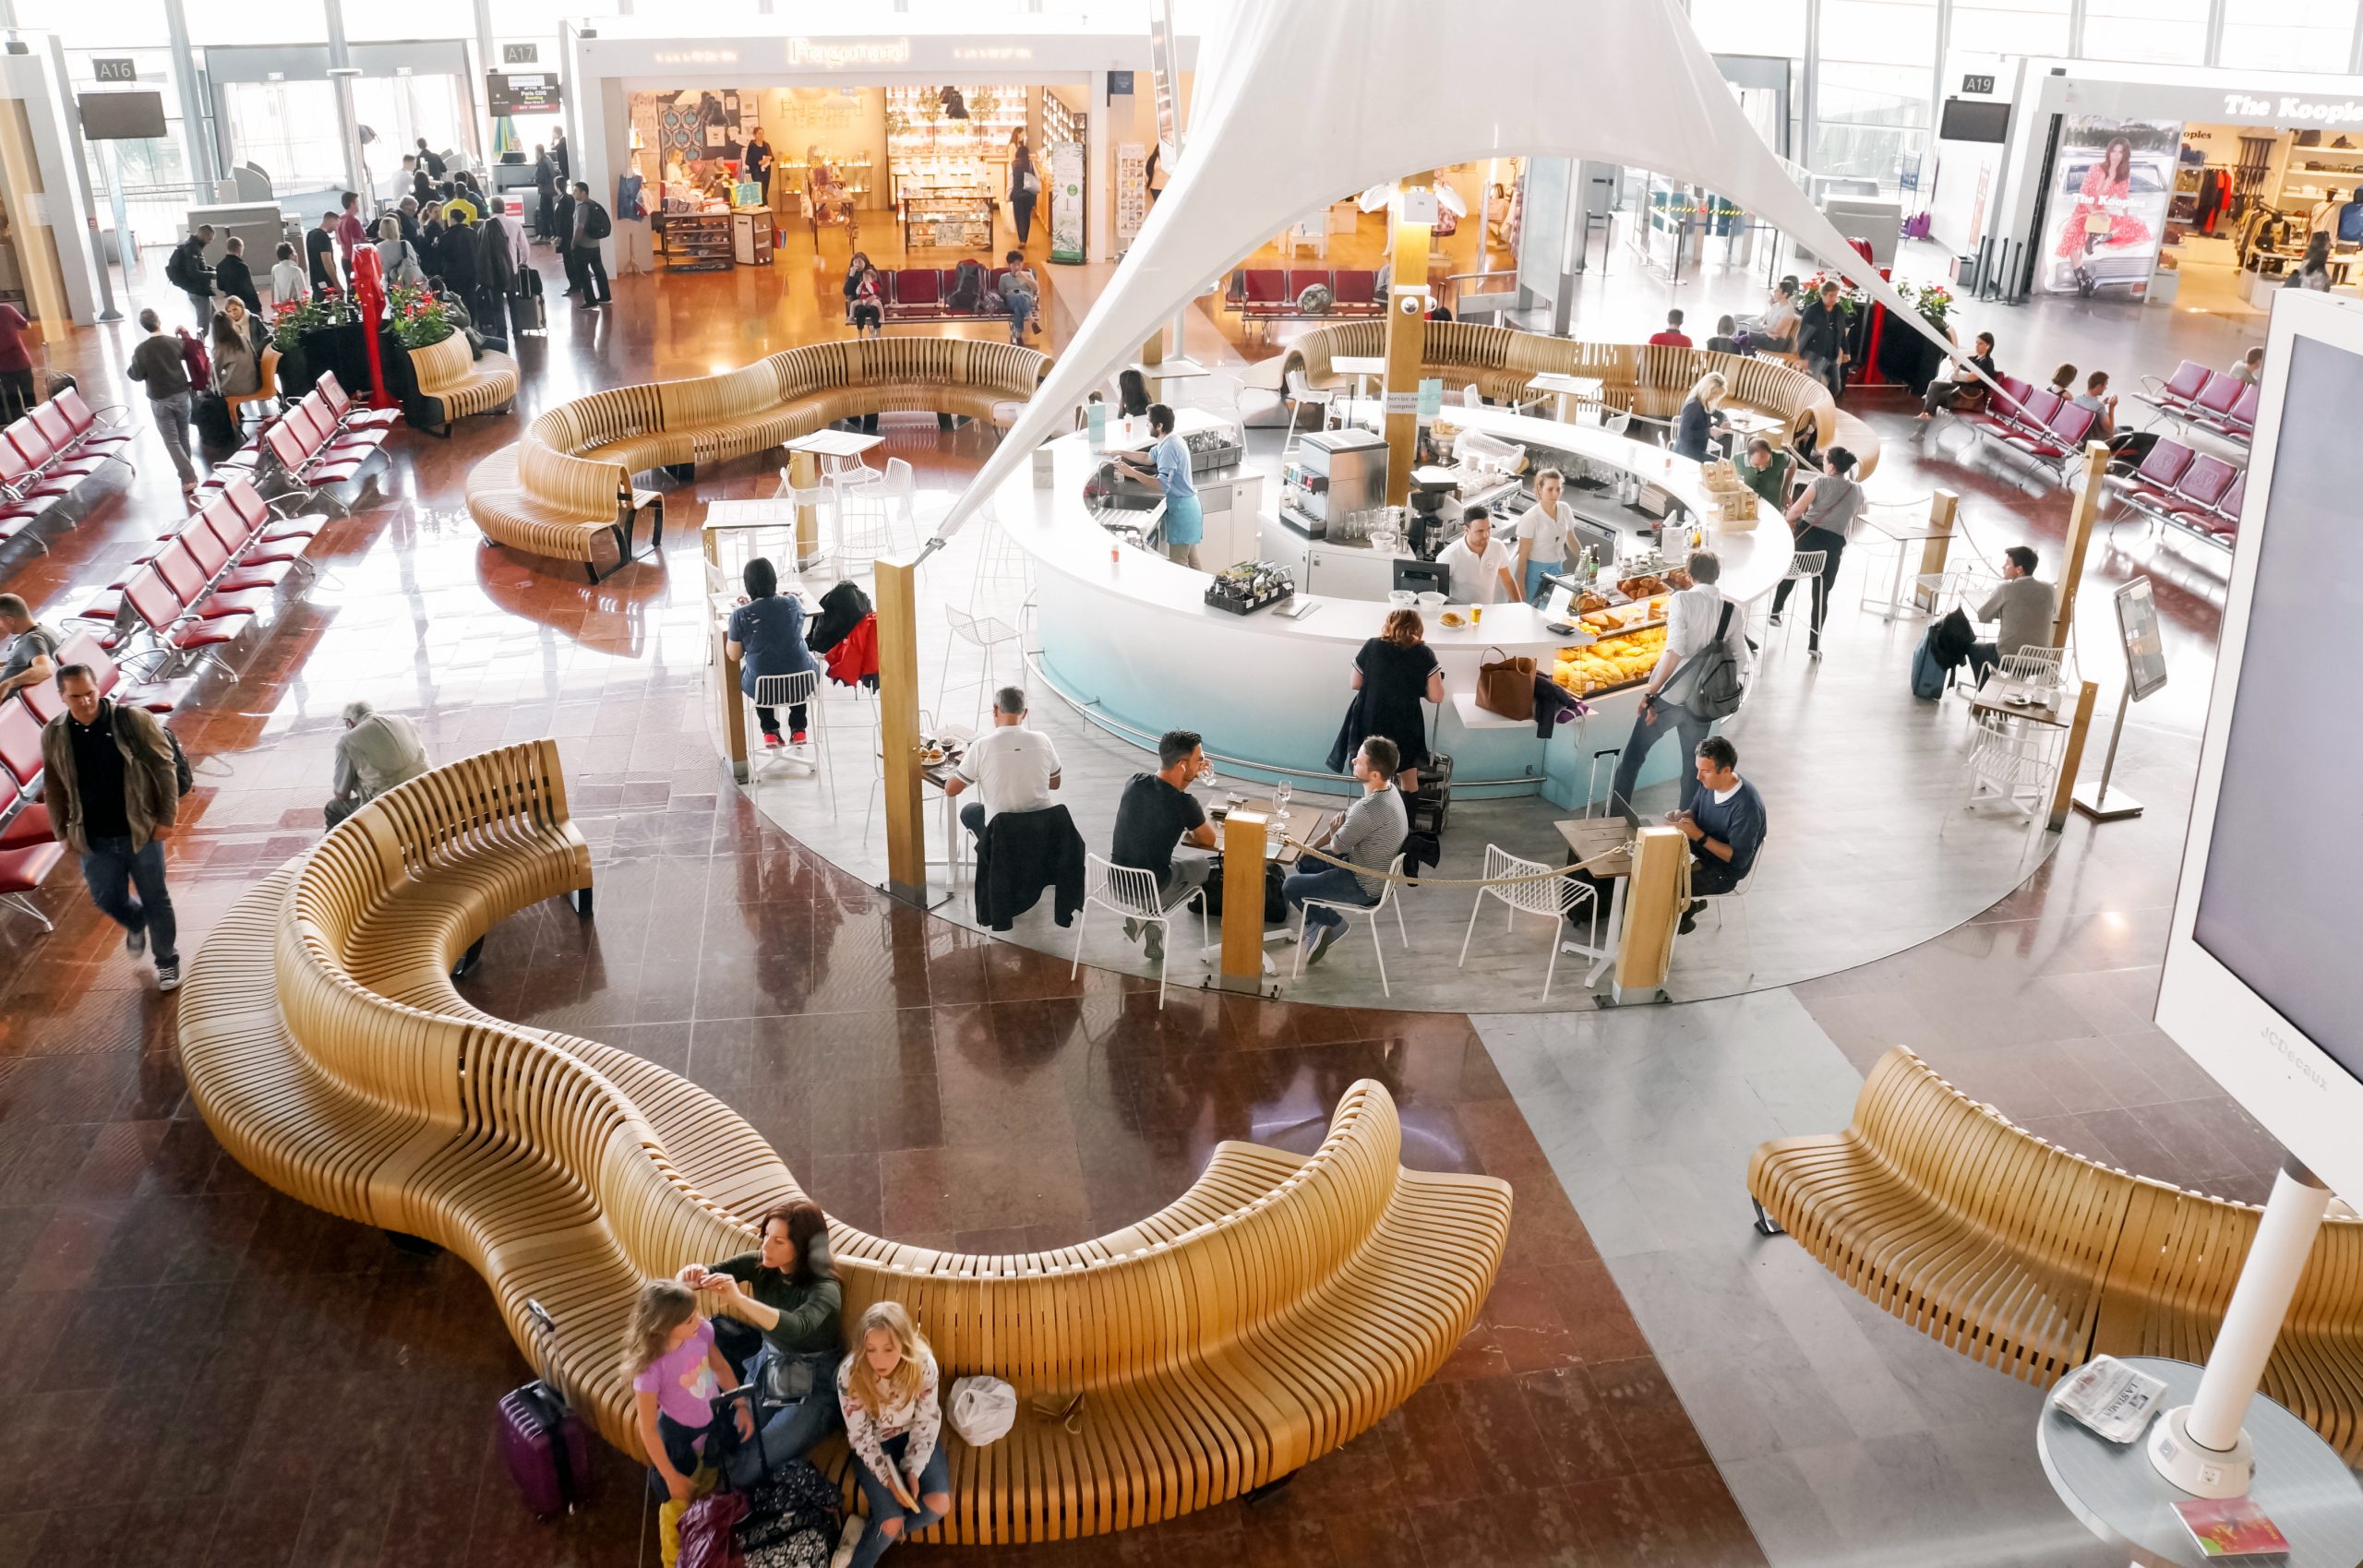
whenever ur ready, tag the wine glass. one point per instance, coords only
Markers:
(1281, 792)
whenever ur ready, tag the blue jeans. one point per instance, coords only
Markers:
(1328, 882)
(1651, 726)
(790, 1431)
(108, 866)
(936, 1477)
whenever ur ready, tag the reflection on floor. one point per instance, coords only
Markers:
(171, 1326)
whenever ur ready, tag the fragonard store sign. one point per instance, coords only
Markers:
(2289, 109)
(836, 53)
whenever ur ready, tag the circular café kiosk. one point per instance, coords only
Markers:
(1136, 645)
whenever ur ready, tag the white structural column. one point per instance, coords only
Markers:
(2200, 1446)
(348, 122)
(204, 168)
(480, 89)
(1621, 81)
(1099, 173)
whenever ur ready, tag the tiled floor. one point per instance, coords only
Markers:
(203, 1372)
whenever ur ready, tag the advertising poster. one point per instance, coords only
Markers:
(1063, 165)
(2110, 188)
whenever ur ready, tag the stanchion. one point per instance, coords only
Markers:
(1245, 844)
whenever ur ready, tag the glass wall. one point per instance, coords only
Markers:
(2315, 35)
(2170, 31)
(2010, 27)
(1878, 69)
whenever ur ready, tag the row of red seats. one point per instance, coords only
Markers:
(923, 294)
(203, 588)
(2037, 423)
(325, 440)
(46, 455)
(2192, 491)
(1271, 294)
(2214, 401)
(28, 846)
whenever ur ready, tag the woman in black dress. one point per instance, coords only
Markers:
(1394, 673)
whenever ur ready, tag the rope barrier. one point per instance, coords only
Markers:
(1559, 874)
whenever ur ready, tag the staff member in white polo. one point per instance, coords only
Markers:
(1013, 768)
(1542, 534)
(1185, 523)
(1482, 573)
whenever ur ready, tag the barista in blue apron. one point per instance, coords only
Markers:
(1185, 524)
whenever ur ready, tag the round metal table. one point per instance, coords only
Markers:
(2301, 1483)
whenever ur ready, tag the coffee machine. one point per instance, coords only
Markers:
(1434, 519)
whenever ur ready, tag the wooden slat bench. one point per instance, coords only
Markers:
(2033, 1260)
(452, 383)
(1281, 1306)
(558, 491)
(1650, 380)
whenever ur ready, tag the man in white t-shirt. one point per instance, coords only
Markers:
(1482, 573)
(1542, 534)
(1012, 767)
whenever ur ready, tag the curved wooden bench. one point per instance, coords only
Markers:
(452, 383)
(557, 491)
(2033, 1260)
(1647, 379)
(1281, 1306)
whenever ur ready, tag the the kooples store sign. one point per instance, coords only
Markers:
(2288, 109)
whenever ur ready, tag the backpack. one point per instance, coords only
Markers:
(1716, 693)
(792, 1520)
(177, 269)
(1316, 300)
(967, 287)
(1928, 676)
(195, 361)
(214, 424)
(184, 776)
(597, 226)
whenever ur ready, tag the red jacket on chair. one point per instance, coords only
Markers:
(855, 658)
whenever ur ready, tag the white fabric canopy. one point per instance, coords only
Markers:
(1308, 100)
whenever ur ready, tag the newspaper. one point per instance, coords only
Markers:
(2112, 1398)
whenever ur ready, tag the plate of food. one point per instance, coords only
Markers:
(1454, 620)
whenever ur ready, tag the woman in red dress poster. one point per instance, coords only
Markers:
(2108, 181)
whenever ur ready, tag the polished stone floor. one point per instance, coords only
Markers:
(201, 1372)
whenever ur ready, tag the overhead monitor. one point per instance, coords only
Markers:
(2258, 983)
(120, 116)
(1972, 119)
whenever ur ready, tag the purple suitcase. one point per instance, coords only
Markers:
(546, 1445)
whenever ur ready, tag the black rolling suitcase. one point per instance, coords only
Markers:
(526, 308)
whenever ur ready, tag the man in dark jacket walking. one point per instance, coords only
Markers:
(562, 225)
(1822, 341)
(113, 794)
(497, 242)
(591, 226)
(188, 271)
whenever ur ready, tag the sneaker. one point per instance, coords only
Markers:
(135, 941)
(1131, 930)
(770, 738)
(1153, 943)
(847, 1539)
(168, 976)
(1689, 921)
(798, 738)
(1324, 937)
(1776, 617)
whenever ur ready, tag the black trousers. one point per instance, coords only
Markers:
(590, 276)
(769, 719)
(15, 393)
(1833, 545)
(565, 259)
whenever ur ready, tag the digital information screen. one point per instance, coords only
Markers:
(2282, 900)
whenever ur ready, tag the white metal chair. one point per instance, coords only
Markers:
(820, 497)
(781, 692)
(863, 527)
(1553, 896)
(897, 491)
(1301, 395)
(1805, 566)
(1131, 893)
(984, 633)
(1387, 901)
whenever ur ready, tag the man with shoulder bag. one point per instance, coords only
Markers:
(591, 226)
(1699, 678)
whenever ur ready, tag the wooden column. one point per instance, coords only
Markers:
(1943, 507)
(2082, 515)
(2072, 759)
(1405, 338)
(1647, 946)
(729, 713)
(896, 598)
(804, 473)
(1243, 843)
